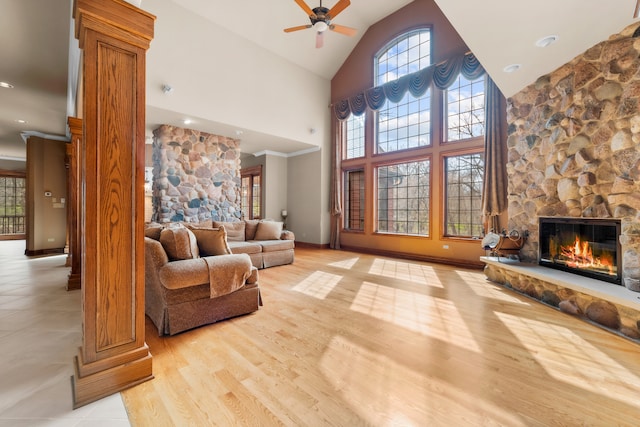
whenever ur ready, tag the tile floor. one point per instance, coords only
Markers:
(40, 332)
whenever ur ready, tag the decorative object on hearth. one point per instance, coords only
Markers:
(321, 18)
(504, 244)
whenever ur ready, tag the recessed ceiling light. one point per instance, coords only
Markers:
(546, 41)
(6, 85)
(511, 68)
(21, 121)
(187, 121)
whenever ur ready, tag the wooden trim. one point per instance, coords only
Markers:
(416, 257)
(39, 252)
(74, 205)
(16, 174)
(312, 245)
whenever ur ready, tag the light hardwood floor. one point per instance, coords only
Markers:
(346, 339)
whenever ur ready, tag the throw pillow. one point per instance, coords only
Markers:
(235, 230)
(251, 225)
(212, 241)
(153, 230)
(179, 243)
(269, 230)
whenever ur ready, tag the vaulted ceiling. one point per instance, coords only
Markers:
(36, 35)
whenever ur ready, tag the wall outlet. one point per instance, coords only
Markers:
(51, 239)
(445, 246)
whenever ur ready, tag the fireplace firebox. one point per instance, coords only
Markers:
(585, 246)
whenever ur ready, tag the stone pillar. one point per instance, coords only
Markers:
(114, 37)
(73, 202)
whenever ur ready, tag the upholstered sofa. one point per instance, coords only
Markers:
(192, 281)
(266, 243)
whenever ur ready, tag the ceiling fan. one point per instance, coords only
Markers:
(321, 18)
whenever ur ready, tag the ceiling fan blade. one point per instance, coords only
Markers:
(347, 31)
(339, 7)
(319, 39)
(298, 28)
(306, 8)
(636, 13)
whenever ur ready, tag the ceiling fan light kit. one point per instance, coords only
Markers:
(320, 18)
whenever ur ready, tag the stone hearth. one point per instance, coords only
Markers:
(608, 305)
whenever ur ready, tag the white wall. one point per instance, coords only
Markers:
(220, 76)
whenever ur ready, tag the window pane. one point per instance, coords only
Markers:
(256, 196)
(354, 195)
(406, 54)
(355, 137)
(465, 109)
(406, 124)
(244, 196)
(12, 202)
(403, 198)
(464, 175)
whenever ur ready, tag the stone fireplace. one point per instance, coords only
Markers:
(574, 147)
(574, 152)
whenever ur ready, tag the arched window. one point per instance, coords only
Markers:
(407, 123)
(417, 169)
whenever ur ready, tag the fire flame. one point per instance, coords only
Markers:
(580, 255)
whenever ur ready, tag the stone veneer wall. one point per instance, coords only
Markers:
(196, 176)
(574, 146)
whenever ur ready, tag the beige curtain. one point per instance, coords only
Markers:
(336, 183)
(494, 192)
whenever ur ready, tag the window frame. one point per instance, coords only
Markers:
(436, 152)
(19, 221)
(445, 116)
(347, 199)
(444, 195)
(374, 146)
(251, 173)
(412, 159)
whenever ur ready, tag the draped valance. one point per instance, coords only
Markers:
(441, 76)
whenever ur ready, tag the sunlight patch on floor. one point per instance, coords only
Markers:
(430, 316)
(318, 285)
(347, 264)
(348, 367)
(565, 356)
(487, 289)
(416, 273)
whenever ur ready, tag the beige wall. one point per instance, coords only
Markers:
(275, 180)
(274, 183)
(307, 213)
(46, 215)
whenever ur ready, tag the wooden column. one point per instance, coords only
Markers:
(73, 201)
(114, 36)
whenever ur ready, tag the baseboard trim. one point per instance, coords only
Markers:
(416, 257)
(312, 245)
(53, 251)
